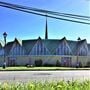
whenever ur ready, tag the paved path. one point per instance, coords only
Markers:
(25, 76)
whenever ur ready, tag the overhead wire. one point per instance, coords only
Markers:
(49, 12)
(43, 12)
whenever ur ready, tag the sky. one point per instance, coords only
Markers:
(29, 26)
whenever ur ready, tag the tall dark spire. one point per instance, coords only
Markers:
(46, 30)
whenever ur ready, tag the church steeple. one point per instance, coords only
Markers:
(46, 30)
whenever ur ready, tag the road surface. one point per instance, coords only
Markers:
(24, 76)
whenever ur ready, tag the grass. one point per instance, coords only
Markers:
(60, 85)
(22, 68)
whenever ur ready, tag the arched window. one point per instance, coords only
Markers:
(16, 49)
(40, 49)
(63, 49)
(83, 51)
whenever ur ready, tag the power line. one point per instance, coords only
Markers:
(55, 13)
(49, 12)
(45, 11)
(24, 9)
(45, 15)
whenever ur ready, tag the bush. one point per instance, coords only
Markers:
(78, 65)
(48, 65)
(88, 64)
(38, 62)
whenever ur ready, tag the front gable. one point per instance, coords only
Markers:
(16, 49)
(63, 48)
(83, 49)
(39, 48)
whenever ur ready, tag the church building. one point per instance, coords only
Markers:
(50, 51)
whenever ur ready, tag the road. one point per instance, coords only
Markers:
(24, 76)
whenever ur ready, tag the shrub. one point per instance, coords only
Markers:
(58, 64)
(80, 64)
(48, 65)
(38, 62)
(88, 64)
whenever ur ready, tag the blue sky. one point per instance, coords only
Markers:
(28, 26)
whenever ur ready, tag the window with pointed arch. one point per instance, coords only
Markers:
(39, 49)
(83, 51)
(63, 49)
(16, 49)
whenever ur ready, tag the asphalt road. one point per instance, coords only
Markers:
(24, 76)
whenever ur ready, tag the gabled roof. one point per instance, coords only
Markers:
(43, 41)
(8, 47)
(76, 45)
(64, 40)
(28, 44)
(81, 43)
(39, 39)
(19, 41)
(73, 46)
(50, 44)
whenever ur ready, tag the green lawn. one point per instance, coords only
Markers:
(60, 85)
(21, 68)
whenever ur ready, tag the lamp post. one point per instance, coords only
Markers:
(5, 36)
(78, 51)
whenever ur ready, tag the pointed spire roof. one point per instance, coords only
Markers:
(19, 41)
(79, 39)
(64, 38)
(46, 30)
(39, 38)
